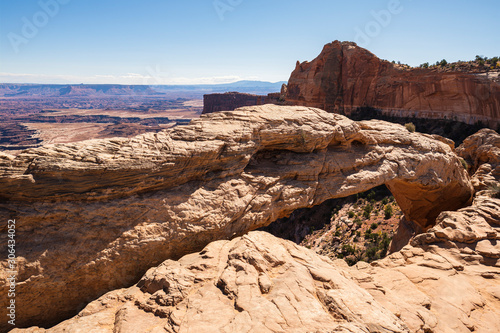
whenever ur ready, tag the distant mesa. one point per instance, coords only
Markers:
(100, 90)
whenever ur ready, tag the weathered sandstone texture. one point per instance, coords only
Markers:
(345, 77)
(446, 281)
(94, 216)
(482, 153)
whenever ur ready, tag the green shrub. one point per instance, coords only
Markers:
(347, 249)
(371, 253)
(388, 212)
(410, 127)
(374, 226)
(350, 214)
(367, 210)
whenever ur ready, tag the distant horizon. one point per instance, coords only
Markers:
(145, 85)
(219, 42)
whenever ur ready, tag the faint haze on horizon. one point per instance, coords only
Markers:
(222, 41)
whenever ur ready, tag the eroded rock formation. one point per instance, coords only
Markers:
(345, 77)
(446, 281)
(98, 214)
(482, 153)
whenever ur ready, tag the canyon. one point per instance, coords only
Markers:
(100, 213)
(155, 232)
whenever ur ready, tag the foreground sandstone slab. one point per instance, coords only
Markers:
(256, 283)
(94, 216)
(446, 281)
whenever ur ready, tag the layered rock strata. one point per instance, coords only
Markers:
(94, 216)
(345, 77)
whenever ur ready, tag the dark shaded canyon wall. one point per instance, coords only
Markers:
(345, 77)
(233, 100)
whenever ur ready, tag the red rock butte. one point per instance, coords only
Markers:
(346, 77)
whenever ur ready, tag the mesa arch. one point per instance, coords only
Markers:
(96, 215)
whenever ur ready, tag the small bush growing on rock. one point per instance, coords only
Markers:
(410, 127)
(347, 249)
(350, 214)
(388, 212)
(374, 226)
(371, 253)
(367, 211)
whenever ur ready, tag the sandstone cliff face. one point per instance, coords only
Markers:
(345, 77)
(98, 214)
(446, 281)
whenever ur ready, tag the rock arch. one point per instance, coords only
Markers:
(95, 215)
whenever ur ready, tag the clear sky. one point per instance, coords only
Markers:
(215, 41)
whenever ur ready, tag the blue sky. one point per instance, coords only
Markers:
(215, 41)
